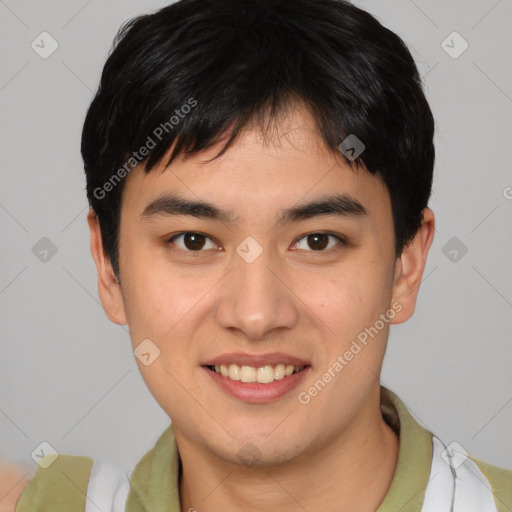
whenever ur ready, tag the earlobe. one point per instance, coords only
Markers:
(109, 289)
(409, 268)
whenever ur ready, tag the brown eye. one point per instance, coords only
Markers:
(193, 241)
(190, 241)
(319, 241)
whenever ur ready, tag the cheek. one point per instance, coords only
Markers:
(159, 295)
(347, 300)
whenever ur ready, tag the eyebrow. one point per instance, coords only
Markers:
(337, 204)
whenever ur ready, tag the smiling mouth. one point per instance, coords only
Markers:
(262, 374)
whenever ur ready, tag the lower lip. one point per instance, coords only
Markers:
(254, 392)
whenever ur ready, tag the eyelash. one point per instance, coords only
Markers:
(342, 241)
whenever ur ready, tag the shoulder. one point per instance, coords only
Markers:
(501, 483)
(71, 483)
(61, 480)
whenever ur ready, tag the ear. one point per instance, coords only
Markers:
(109, 289)
(409, 268)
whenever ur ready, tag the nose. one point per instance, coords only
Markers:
(256, 298)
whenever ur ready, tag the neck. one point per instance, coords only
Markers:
(353, 471)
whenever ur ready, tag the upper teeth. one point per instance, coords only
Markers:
(262, 374)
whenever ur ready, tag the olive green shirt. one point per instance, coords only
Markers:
(154, 483)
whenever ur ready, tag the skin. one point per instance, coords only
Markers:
(335, 453)
(291, 299)
(13, 480)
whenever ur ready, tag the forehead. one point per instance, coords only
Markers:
(260, 174)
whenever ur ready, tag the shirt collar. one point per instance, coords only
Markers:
(154, 483)
(407, 490)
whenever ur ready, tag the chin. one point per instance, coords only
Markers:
(259, 453)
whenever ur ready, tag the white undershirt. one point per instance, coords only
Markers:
(460, 487)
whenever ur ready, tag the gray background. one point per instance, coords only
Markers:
(68, 376)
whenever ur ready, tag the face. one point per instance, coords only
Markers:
(257, 285)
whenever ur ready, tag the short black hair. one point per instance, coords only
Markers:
(186, 73)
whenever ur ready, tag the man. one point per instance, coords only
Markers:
(258, 173)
